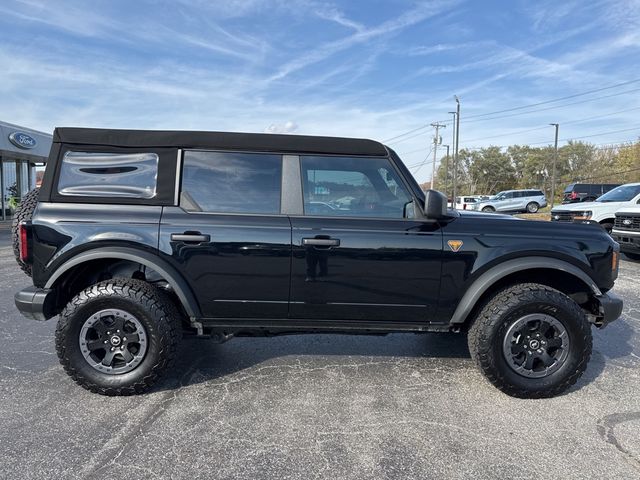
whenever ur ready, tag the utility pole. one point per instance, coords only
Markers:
(453, 144)
(446, 171)
(436, 141)
(555, 161)
(455, 154)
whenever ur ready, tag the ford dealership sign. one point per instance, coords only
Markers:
(22, 140)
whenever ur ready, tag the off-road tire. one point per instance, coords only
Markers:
(633, 256)
(532, 207)
(487, 333)
(23, 213)
(488, 210)
(152, 308)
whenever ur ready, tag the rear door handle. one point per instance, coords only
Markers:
(190, 237)
(321, 242)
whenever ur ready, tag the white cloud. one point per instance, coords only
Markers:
(287, 127)
(412, 17)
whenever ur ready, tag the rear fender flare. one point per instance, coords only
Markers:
(169, 273)
(491, 276)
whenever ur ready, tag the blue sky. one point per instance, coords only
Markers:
(371, 68)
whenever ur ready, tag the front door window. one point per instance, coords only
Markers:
(352, 187)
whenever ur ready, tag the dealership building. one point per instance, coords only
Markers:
(23, 152)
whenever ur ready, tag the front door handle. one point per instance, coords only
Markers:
(321, 242)
(188, 237)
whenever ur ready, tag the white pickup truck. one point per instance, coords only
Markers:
(603, 210)
(626, 231)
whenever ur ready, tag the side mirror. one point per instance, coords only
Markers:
(435, 205)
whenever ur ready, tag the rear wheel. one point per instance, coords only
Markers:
(532, 207)
(118, 336)
(23, 213)
(488, 209)
(531, 341)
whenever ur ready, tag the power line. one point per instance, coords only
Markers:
(563, 139)
(406, 133)
(546, 126)
(523, 107)
(552, 108)
(407, 138)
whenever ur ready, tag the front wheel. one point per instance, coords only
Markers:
(488, 209)
(118, 336)
(532, 207)
(531, 341)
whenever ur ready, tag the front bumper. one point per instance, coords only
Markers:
(629, 240)
(35, 303)
(610, 309)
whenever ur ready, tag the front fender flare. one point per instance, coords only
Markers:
(491, 276)
(169, 273)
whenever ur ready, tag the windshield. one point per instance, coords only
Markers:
(623, 193)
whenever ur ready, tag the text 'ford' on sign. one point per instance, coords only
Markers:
(22, 140)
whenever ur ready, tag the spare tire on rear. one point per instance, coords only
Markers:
(23, 213)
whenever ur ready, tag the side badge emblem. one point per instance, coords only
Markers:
(455, 245)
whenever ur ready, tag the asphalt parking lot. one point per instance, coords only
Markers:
(317, 406)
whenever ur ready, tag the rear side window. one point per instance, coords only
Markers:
(121, 175)
(228, 182)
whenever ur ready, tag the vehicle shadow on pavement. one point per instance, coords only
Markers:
(611, 346)
(201, 361)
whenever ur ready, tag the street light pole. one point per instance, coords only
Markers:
(453, 144)
(455, 154)
(446, 170)
(436, 141)
(555, 161)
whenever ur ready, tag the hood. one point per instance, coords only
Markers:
(578, 207)
(472, 213)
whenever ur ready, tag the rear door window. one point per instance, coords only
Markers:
(230, 182)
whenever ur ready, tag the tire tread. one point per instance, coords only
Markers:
(480, 343)
(159, 306)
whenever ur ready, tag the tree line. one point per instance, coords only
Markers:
(492, 169)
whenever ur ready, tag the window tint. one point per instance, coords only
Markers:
(352, 187)
(123, 175)
(226, 182)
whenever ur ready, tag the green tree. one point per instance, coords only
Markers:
(491, 171)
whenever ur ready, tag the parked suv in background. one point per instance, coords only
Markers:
(586, 192)
(626, 231)
(602, 210)
(467, 202)
(138, 237)
(513, 201)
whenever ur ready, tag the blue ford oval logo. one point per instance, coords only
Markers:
(22, 140)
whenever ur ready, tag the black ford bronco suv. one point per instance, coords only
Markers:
(137, 237)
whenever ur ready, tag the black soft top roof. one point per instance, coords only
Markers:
(223, 140)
